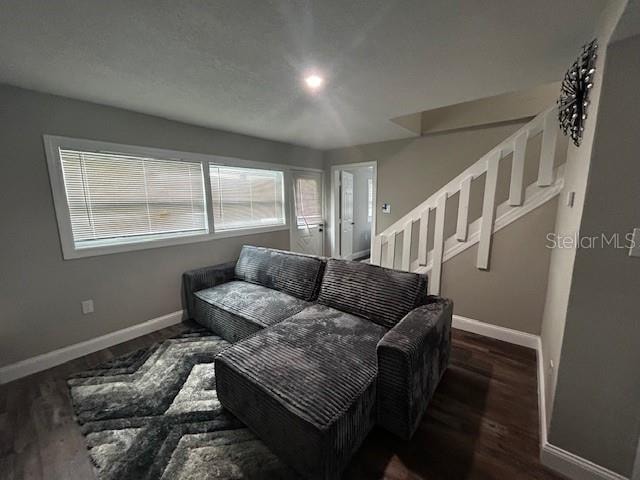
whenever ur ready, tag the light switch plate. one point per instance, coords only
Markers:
(386, 208)
(571, 199)
(87, 306)
(634, 251)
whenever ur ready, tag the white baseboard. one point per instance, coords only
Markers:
(556, 458)
(493, 331)
(573, 466)
(62, 355)
(542, 395)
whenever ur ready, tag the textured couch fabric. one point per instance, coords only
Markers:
(296, 274)
(323, 350)
(306, 386)
(412, 357)
(272, 285)
(235, 310)
(378, 294)
(201, 278)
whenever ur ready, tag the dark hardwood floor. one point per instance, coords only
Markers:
(481, 424)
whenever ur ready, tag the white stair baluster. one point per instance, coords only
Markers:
(406, 246)
(422, 237)
(517, 170)
(463, 210)
(548, 151)
(391, 251)
(438, 246)
(488, 210)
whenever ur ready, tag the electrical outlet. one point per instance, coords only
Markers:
(87, 306)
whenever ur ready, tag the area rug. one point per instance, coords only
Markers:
(154, 414)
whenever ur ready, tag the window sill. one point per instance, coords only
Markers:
(73, 253)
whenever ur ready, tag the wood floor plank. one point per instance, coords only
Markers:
(482, 422)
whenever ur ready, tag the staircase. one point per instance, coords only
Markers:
(522, 199)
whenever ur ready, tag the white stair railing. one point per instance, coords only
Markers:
(521, 200)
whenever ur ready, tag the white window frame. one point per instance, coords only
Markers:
(53, 143)
(284, 196)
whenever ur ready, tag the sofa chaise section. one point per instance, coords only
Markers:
(265, 286)
(306, 387)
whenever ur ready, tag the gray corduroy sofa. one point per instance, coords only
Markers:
(323, 350)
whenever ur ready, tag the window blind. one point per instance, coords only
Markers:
(308, 201)
(246, 197)
(118, 198)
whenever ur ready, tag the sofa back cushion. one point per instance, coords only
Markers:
(381, 295)
(296, 274)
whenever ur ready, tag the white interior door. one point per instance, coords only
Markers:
(307, 231)
(346, 214)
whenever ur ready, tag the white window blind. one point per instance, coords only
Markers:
(117, 198)
(246, 197)
(308, 201)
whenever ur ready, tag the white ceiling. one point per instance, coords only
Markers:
(237, 64)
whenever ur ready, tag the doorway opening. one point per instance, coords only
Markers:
(353, 206)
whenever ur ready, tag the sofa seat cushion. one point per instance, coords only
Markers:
(235, 310)
(306, 386)
(381, 295)
(293, 273)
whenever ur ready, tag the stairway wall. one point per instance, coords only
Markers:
(410, 170)
(511, 294)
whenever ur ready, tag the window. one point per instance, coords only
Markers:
(308, 198)
(118, 198)
(246, 197)
(114, 198)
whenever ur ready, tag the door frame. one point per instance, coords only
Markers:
(292, 204)
(334, 231)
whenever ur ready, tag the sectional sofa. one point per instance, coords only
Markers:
(323, 350)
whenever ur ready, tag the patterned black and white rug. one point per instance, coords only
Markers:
(154, 414)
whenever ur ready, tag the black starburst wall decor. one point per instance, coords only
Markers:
(574, 93)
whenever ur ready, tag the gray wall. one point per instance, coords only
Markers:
(596, 412)
(409, 171)
(40, 293)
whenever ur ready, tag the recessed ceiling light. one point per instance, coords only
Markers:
(314, 82)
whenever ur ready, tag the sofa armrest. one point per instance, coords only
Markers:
(412, 357)
(201, 278)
